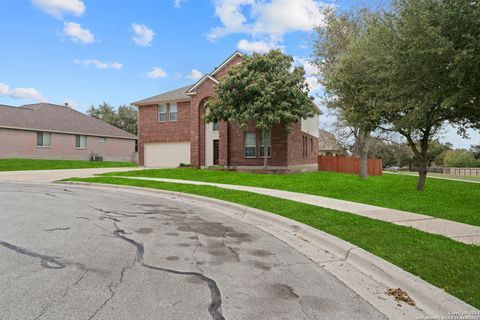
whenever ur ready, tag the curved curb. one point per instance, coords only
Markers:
(366, 274)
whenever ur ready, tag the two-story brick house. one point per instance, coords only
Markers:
(172, 131)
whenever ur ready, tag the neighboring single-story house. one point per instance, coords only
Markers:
(48, 131)
(328, 144)
(172, 131)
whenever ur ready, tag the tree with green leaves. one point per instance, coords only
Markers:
(346, 72)
(264, 90)
(427, 54)
(124, 117)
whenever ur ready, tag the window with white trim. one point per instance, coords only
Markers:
(173, 112)
(44, 139)
(102, 140)
(80, 142)
(162, 113)
(262, 146)
(250, 144)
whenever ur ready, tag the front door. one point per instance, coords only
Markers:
(216, 149)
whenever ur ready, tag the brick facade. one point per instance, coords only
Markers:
(151, 130)
(286, 147)
(23, 144)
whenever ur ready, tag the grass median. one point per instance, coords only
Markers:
(43, 164)
(445, 263)
(451, 200)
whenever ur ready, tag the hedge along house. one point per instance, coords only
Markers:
(172, 131)
(48, 131)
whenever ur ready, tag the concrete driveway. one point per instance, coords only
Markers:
(77, 253)
(55, 175)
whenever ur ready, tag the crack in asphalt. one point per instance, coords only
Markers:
(67, 290)
(48, 262)
(57, 229)
(216, 299)
(112, 288)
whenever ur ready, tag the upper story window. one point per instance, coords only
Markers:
(44, 139)
(102, 140)
(250, 144)
(262, 146)
(173, 112)
(80, 142)
(162, 113)
(215, 126)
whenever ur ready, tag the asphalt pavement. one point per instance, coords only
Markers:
(69, 252)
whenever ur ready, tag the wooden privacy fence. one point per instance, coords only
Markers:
(348, 165)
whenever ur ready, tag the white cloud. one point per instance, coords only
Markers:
(77, 33)
(194, 75)
(256, 46)
(21, 93)
(178, 3)
(156, 73)
(58, 8)
(99, 64)
(271, 18)
(310, 69)
(143, 36)
(311, 74)
(231, 16)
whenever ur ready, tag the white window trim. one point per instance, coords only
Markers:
(170, 111)
(43, 139)
(165, 113)
(245, 146)
(84, 144)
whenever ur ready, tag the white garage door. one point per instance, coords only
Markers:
(167, 154)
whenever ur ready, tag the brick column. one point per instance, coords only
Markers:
(223, 144)
(194, 132)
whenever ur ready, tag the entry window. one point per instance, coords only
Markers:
(162, 113)
(44, 139)
(173, 112)
(262, 146)
(215, 126)
(304, 147)
(250, 144)
(80, 142)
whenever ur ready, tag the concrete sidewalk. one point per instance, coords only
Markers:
(454, 230)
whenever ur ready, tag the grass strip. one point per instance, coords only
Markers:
(15, 164)
(451, 200)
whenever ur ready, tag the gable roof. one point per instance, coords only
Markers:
(226, 62)
(184, 93)
(204, 78)
(174, 95)
(54, 118)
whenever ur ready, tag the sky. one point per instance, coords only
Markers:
(85, 52)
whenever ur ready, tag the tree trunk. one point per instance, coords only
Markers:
(363, 153)
(422, 175)
(265, 150)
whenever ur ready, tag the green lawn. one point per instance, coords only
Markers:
(441, 261)
(38, 164)
(452, 200)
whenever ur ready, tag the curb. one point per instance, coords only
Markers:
(366, 274)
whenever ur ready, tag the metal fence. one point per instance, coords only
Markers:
(447, 170)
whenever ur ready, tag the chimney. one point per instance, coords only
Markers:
(66, 104)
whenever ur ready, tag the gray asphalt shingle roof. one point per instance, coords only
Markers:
(50, 117)
(174, 95)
